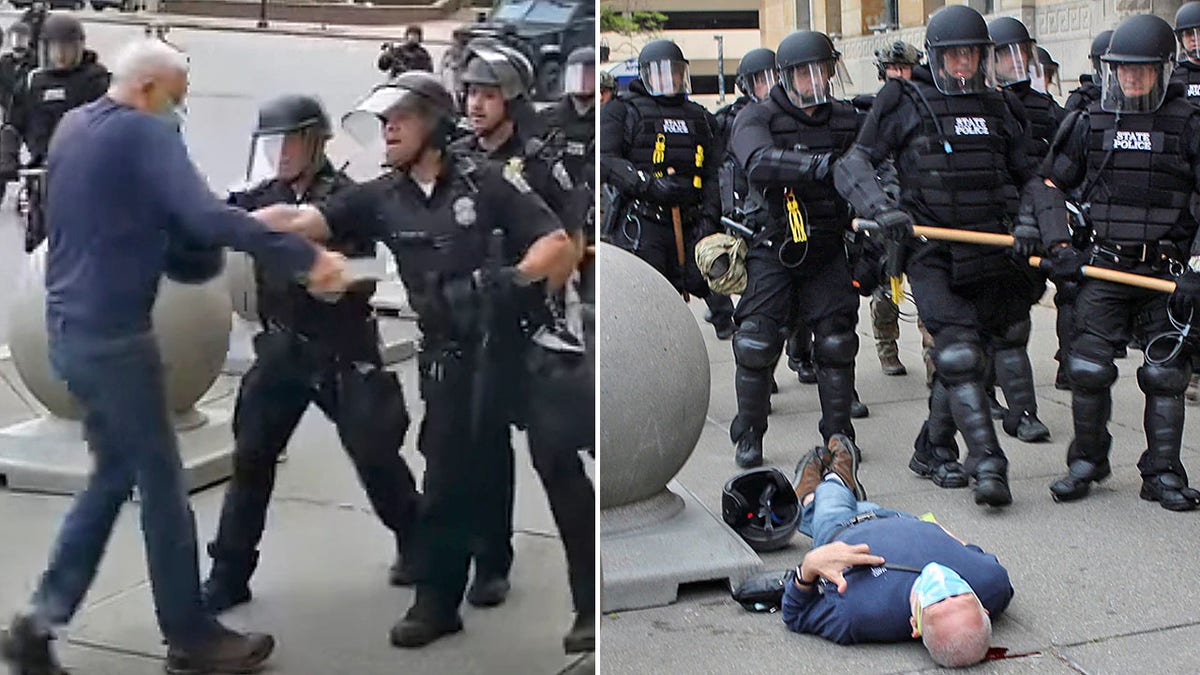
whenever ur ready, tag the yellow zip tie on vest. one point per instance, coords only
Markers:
(795, 218)
(660, 149)
(696, 182)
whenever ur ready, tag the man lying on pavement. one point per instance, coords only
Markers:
(878, 575)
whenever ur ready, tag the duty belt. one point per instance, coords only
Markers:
(1156, 254)
(655, 212)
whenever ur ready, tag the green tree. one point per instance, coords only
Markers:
(629, 22)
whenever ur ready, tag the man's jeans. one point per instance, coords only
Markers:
(119, 382)
(832, 508)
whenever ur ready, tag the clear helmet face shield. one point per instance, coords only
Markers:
(62, 54)
(282, 155)
(666, 78)
(1189, 43)
(758, 85)
(811, 84)
(365, 124)
(1018, 62)
(962, 69)
(579, 79)
(19, 41)
(1134, 87)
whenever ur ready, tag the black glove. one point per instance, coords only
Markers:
(895, 224)
(673, 191)
(1065, 263)
(1187, 287)
(1027, 239)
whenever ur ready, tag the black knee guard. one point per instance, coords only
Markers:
(836, 350)
(757, 344)
(1090, 375)
(1170, 379)
(958, 362)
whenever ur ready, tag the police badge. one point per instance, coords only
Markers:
(464, 211)
(514, 173)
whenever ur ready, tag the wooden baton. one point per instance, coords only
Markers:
(993, 239)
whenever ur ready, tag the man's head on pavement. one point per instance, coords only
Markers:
(151, 76)
(949, 618)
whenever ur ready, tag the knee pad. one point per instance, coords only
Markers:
(1015, 335)
(1092, 375)
(1164, 380)
(958, 362)
(836, 350)
(757, 344)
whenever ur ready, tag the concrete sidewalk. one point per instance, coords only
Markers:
(322, 584)
(1105, 585)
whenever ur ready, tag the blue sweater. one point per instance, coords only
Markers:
(120, 183)
(875, 606)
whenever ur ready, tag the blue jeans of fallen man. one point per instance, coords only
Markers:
(832, 508)
(120, 385)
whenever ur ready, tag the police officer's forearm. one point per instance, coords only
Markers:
(552, 257)
(854, 176)
(303, 220)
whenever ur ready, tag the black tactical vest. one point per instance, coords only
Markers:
(578, 134)
(832, 128)
(954, 172)
(1144, 188)
(668, 133)
(1086, 94)
(730, 173)
(1039, 111)
(1188, 74)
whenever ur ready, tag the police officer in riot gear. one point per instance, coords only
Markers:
(608, 87)
(756, 75)
(959, 148)
(1135, 159)
(660, 151)
(69, 77)
(471, 244)
(896, 61)
(1088, 91)
(787, 145)
(1187, 31)
(572, 120)
(496, 83)
(310, 350)
(15, 66)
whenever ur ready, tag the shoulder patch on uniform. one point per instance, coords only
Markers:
(514, 173)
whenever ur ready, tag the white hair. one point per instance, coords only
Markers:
(960, 645)
(143, 59)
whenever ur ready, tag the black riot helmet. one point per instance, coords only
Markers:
(959, 51)
(1099, 46)
(1049, 69)
(899, 53)
(415, 92)
(808, 67)
(1016, 60)
(61, 41)
(492, 63)
(19, 36)
(756, 71)
(761, 507)
(1137, 66)
(663, 70)
(1187, 29)
(271, 156)
(579, 75)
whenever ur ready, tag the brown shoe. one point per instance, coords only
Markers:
(889, 361)
(809, 471)
(844, 462)
(228, 652)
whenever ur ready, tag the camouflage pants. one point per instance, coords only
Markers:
(885, 322)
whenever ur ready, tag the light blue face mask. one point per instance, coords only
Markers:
(938, 582)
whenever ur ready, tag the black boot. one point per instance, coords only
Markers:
(939, 463)
(421, 626)
(1164, 480)
(800, 359)
(749, 452)
(858, 409)
(1015, 375)
(985, 458)
(1062, 381)
(1091, 408)
(582, 636)
(401, 572)
(25, 647)
(995, 408)
(228, 583)
(1083, 469)
(488, 590)
(835, 388)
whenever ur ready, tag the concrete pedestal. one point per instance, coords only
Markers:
(653, 546)
(48, 454)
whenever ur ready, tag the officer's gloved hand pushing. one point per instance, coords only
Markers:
(878, 575)
(439, 213)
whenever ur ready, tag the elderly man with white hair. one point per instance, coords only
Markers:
(878, 575)
(126, 205)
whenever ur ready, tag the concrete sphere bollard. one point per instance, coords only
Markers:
(654, 377)
(192, 323)
(243, 290)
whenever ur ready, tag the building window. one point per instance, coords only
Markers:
(983, 6)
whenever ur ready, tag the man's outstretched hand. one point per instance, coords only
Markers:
(830, 560)
(328, 273)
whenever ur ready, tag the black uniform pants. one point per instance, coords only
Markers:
(351, 387)
(554, 422)
(964, 320)
(1107, 316)
(654, 242)
(818, 292)
(468, 477)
